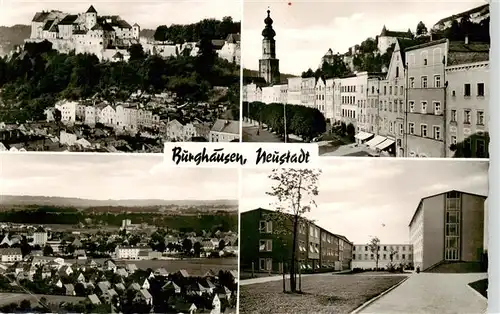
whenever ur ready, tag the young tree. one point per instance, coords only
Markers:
(374, 246)
(295, 190)
(421, 28)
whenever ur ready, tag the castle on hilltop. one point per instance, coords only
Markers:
(105, 36)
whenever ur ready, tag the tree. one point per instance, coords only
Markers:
(374, 246)
(197, 249)
(294, 190)
(136, 52)
(421, 29)
(187, 245)
(47, 250)
(222, 244)
(469, 147)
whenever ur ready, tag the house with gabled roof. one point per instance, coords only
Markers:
(70, 289)
(216, 305)
(134, 286)
(171, 285)
(122, 272)
(183, 273)
(146, 296)
(120, 286)
(161, 272)
(145, 284)
(94, 299)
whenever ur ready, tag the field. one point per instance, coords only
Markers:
(194, 266)
(7, 298)
(323, 293)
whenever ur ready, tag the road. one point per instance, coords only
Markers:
(432, 293)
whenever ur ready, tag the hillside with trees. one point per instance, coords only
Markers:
(12, 36)
(36, 78)
(207, 28)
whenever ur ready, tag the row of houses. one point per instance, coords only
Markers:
(433, 95)
(264, 248)
(124, 116)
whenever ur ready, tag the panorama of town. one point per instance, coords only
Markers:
(402, 93)
(84, 263)
(86, 82)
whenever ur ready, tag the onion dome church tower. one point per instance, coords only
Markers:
(269, 65)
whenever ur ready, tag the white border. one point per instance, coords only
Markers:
(494, 171)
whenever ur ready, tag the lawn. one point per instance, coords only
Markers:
(481, 286)
(321, 294)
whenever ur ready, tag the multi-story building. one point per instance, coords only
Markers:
(330, 100)
(266, 244)
(320, 96)
(252, 93)
(225, 131)
(427, 101)
(468, 102)
(387, 38)
(308, 92)
(294, 91)
(392, 101)
(269, 64)
(337, 98)
(283, 93)
(447, 227)
(127, 252)
(396, 254)
(40, 238)
(11, 255)
(348, 105)
(372, 111)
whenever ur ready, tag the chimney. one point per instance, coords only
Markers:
(466, 39)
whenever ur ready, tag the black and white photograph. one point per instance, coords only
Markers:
(370, 235)
(99, 233)
(106, 76)
(369, 78)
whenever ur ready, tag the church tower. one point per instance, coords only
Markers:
(269, 65)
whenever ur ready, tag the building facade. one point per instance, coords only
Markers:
(388, 254)
(448, 227)
(269, 64)
(264, 247)
(426, 99)
(225, 131)
(468, 99)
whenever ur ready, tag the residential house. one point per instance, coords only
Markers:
(225, 131)
(11, 255)
(70, 289)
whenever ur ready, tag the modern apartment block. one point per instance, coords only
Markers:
(395, 254)
(266, 244)
(448, 227)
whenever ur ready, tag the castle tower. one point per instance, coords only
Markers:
(90, 17)
(269, 65)
(136, 30)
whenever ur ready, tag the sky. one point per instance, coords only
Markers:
(104, 176)
(148, 14)
(306, 29)
(367, 197)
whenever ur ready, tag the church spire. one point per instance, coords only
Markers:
(268, 31)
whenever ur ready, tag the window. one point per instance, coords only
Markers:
(412, 82)
(265, 264)
(480, 118)
(453, 139)
(467, 116)
(411, 128)
(467, 90)
(390, 90)
(397, 71)
(385, 90)
(453, 116)
(425, 61)
(266, 226)
(423, 82)
(401, 130)
(423, 107)
(401, 92)
(265, 245)
(480, 148)
(480, 89)
(437, 108)
(436, 132)
(437, 81)
(423, 130)
(412, 106)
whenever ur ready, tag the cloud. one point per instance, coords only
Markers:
(104, 176)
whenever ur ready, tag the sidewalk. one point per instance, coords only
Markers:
(280, 277)
(432, 293)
